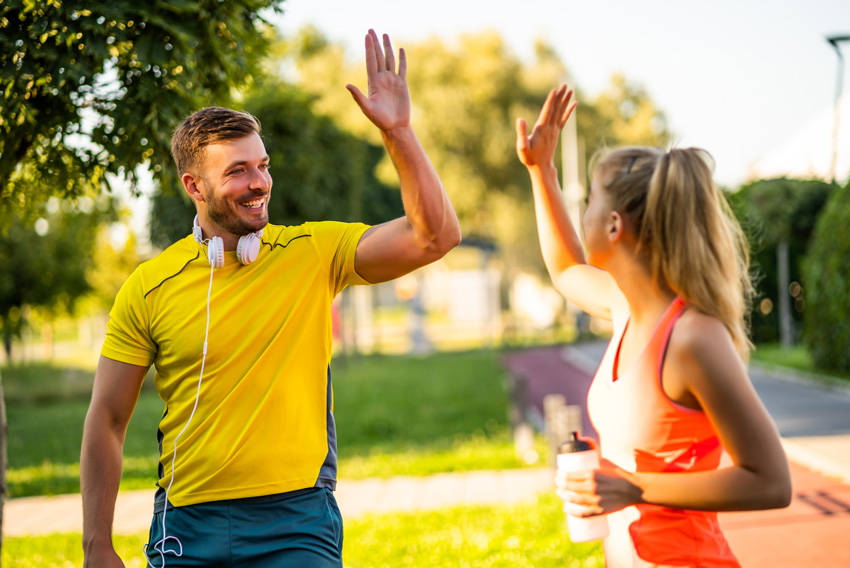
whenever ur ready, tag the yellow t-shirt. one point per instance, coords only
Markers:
(264, 420)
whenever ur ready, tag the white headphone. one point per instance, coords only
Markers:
(247, 248)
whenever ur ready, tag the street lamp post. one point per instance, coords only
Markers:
(839, 83)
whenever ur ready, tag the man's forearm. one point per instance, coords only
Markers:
(426, 203)
(100, 476)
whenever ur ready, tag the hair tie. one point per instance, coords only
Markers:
(628, 169)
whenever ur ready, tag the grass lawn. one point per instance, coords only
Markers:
(518, 536)
(794, 357)
(395, 415)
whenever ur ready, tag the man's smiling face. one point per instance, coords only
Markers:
(236, 184)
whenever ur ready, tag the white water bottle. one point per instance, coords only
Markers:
(580, 454)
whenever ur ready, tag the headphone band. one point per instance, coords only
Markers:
(247, 249)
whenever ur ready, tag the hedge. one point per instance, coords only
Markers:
(827, 278)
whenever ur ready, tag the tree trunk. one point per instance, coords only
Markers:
(3, 464)
(7, 339)
(786, 338)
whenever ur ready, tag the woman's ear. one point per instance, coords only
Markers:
(190, 184)
(615, 227)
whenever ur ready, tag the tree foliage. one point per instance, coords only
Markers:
(95, 87)
(46, 264)
(827, 275)
(774, 211)
(320, 172)
(622, 115)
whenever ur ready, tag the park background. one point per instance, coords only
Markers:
(87, 191)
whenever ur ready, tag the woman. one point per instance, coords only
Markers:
(667, 264)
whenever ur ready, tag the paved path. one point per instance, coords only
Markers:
(814, 422)
(63, 513)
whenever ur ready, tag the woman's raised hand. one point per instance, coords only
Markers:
(538, 149)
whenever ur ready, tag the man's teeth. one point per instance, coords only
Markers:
(257, 203)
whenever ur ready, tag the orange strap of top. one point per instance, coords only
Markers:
(676, 309)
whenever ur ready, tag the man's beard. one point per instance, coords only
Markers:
(228, 219)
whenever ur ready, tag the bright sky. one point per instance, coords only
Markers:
(736, 77)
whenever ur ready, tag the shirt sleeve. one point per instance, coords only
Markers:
(127, 333)
(337, 243)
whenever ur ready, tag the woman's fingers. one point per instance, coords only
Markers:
(579, 504)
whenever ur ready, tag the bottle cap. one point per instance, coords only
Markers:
(576, 444)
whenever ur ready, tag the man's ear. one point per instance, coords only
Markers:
(191, 185)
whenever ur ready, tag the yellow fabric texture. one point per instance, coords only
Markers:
(261, 425)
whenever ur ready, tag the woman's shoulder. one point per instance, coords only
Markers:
(701, 339)
(696, 327)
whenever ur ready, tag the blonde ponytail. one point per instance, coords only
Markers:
(686, 228)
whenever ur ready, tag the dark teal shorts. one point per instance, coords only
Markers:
(302, 529)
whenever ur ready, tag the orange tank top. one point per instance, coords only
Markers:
(642, 430)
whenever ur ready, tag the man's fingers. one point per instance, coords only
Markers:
(359, 97)
(379, 55)
(389, 55)
(371, 59)
(402, 64)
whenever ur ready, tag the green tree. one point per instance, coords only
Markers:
(622, 115)
(320, 172)
(779, 218)
(48, 261)
(827, 274)
(94, 87)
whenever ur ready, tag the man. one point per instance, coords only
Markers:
(239, 332)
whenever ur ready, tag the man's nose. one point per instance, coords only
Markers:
(260, 180)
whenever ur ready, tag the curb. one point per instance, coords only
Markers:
(799, 377)
(801, 454)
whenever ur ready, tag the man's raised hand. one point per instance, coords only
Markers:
(388, 103)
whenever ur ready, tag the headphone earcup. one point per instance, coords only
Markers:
(248, 248)
(215, 252)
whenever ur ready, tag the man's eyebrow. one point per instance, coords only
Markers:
(232, 165)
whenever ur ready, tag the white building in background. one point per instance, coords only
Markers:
(807, 154)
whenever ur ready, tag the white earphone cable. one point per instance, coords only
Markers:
(159, 546)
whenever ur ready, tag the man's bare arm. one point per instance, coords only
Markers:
(116, 390)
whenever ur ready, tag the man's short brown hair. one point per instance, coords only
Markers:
(204, 127)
